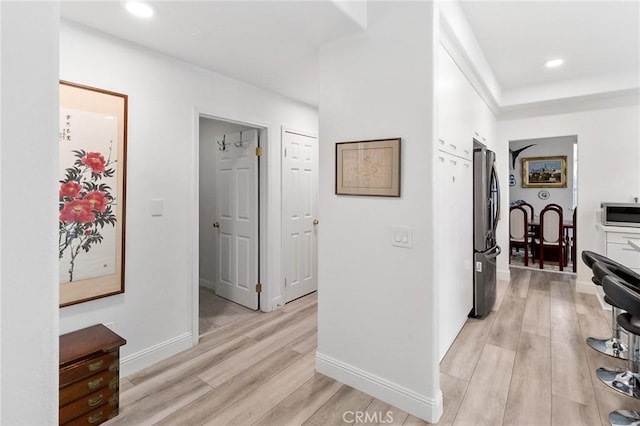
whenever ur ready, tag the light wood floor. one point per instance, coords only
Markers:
(525, 364)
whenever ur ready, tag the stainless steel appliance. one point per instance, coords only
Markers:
(486, 214)
(621, 214)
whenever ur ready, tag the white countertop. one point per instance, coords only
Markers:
(620, 229)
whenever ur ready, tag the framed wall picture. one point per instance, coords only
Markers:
(368, 168)
(544, 172)
(93, 148)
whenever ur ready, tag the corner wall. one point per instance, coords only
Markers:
(156, 312)
(29, 210)
(608, 155)
(377, 311)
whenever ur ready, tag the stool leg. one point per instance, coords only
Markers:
(624, 418)
(613, 346)
(625, 382)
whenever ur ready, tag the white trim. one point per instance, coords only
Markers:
(207, 284)
(503, 275)
(591, 288)
(424, 407)
(148, 356)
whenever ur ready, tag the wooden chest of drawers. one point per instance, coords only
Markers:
(89, 375)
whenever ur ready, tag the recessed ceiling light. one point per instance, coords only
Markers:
(554, 63)
(139, 9)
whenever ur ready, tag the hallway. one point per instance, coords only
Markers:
(526, 363)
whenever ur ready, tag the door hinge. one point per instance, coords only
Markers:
(258, 288)
(258, 151)
(285, 283)
(285, 153)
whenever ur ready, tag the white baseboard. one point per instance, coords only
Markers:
(586, 287)
(421, 406)
(148, 356)
(207, 284)
(591, 288)
(503, 275)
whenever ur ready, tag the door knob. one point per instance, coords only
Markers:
(316, 221)
(216, 225)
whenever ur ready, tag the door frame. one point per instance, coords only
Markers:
(279, 300)
(264, 134)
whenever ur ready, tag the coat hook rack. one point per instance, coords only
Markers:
(222, 146)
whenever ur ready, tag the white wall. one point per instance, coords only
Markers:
(377, 303)
(208, 130)
(559, 146)
(29, 176)
(156, 312)
(608, 154)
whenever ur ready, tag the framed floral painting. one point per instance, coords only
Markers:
(91, 221)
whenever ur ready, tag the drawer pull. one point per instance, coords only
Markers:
(95, 418)
(95, 401)
(113, 384)
(113, 401)
(95, 383)
(115, 366)
(96, 365)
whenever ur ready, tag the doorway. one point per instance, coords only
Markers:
(229, 220)
(543, 173)
(299, 214)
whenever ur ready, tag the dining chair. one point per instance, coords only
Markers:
(530, 209)
(519, 231)
(551, 235)
(573, 240)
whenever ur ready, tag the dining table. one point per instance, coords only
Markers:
(567, 231)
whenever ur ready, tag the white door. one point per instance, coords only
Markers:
(299, 212)
(237, 218)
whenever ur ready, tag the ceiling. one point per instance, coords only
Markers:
(274, 44)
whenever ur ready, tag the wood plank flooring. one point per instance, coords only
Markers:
(525, 364)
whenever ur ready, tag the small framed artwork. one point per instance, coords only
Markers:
(91, 217)
(368, 168)
(544, 172)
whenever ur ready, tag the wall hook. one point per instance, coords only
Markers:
(222, 146)
(239, 144)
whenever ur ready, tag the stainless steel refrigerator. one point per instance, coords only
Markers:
(486, 214)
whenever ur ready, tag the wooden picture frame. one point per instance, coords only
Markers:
(368, 168)
(544, 172)
(92, 194)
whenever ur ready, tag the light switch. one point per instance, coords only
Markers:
(156, 207)
(401, 236)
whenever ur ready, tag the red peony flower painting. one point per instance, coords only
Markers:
(86, 204)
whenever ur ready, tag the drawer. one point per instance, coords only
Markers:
(86, 368)
(95, 417)
(104, 396)
(622, 237)
(624, 254)
(88, 385)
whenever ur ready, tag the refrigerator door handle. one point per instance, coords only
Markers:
(493, 252)
(495, 176)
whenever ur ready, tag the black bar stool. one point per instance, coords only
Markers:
(626, 382)
(613, 346)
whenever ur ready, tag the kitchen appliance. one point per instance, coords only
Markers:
(486, 214)
(621, 214)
